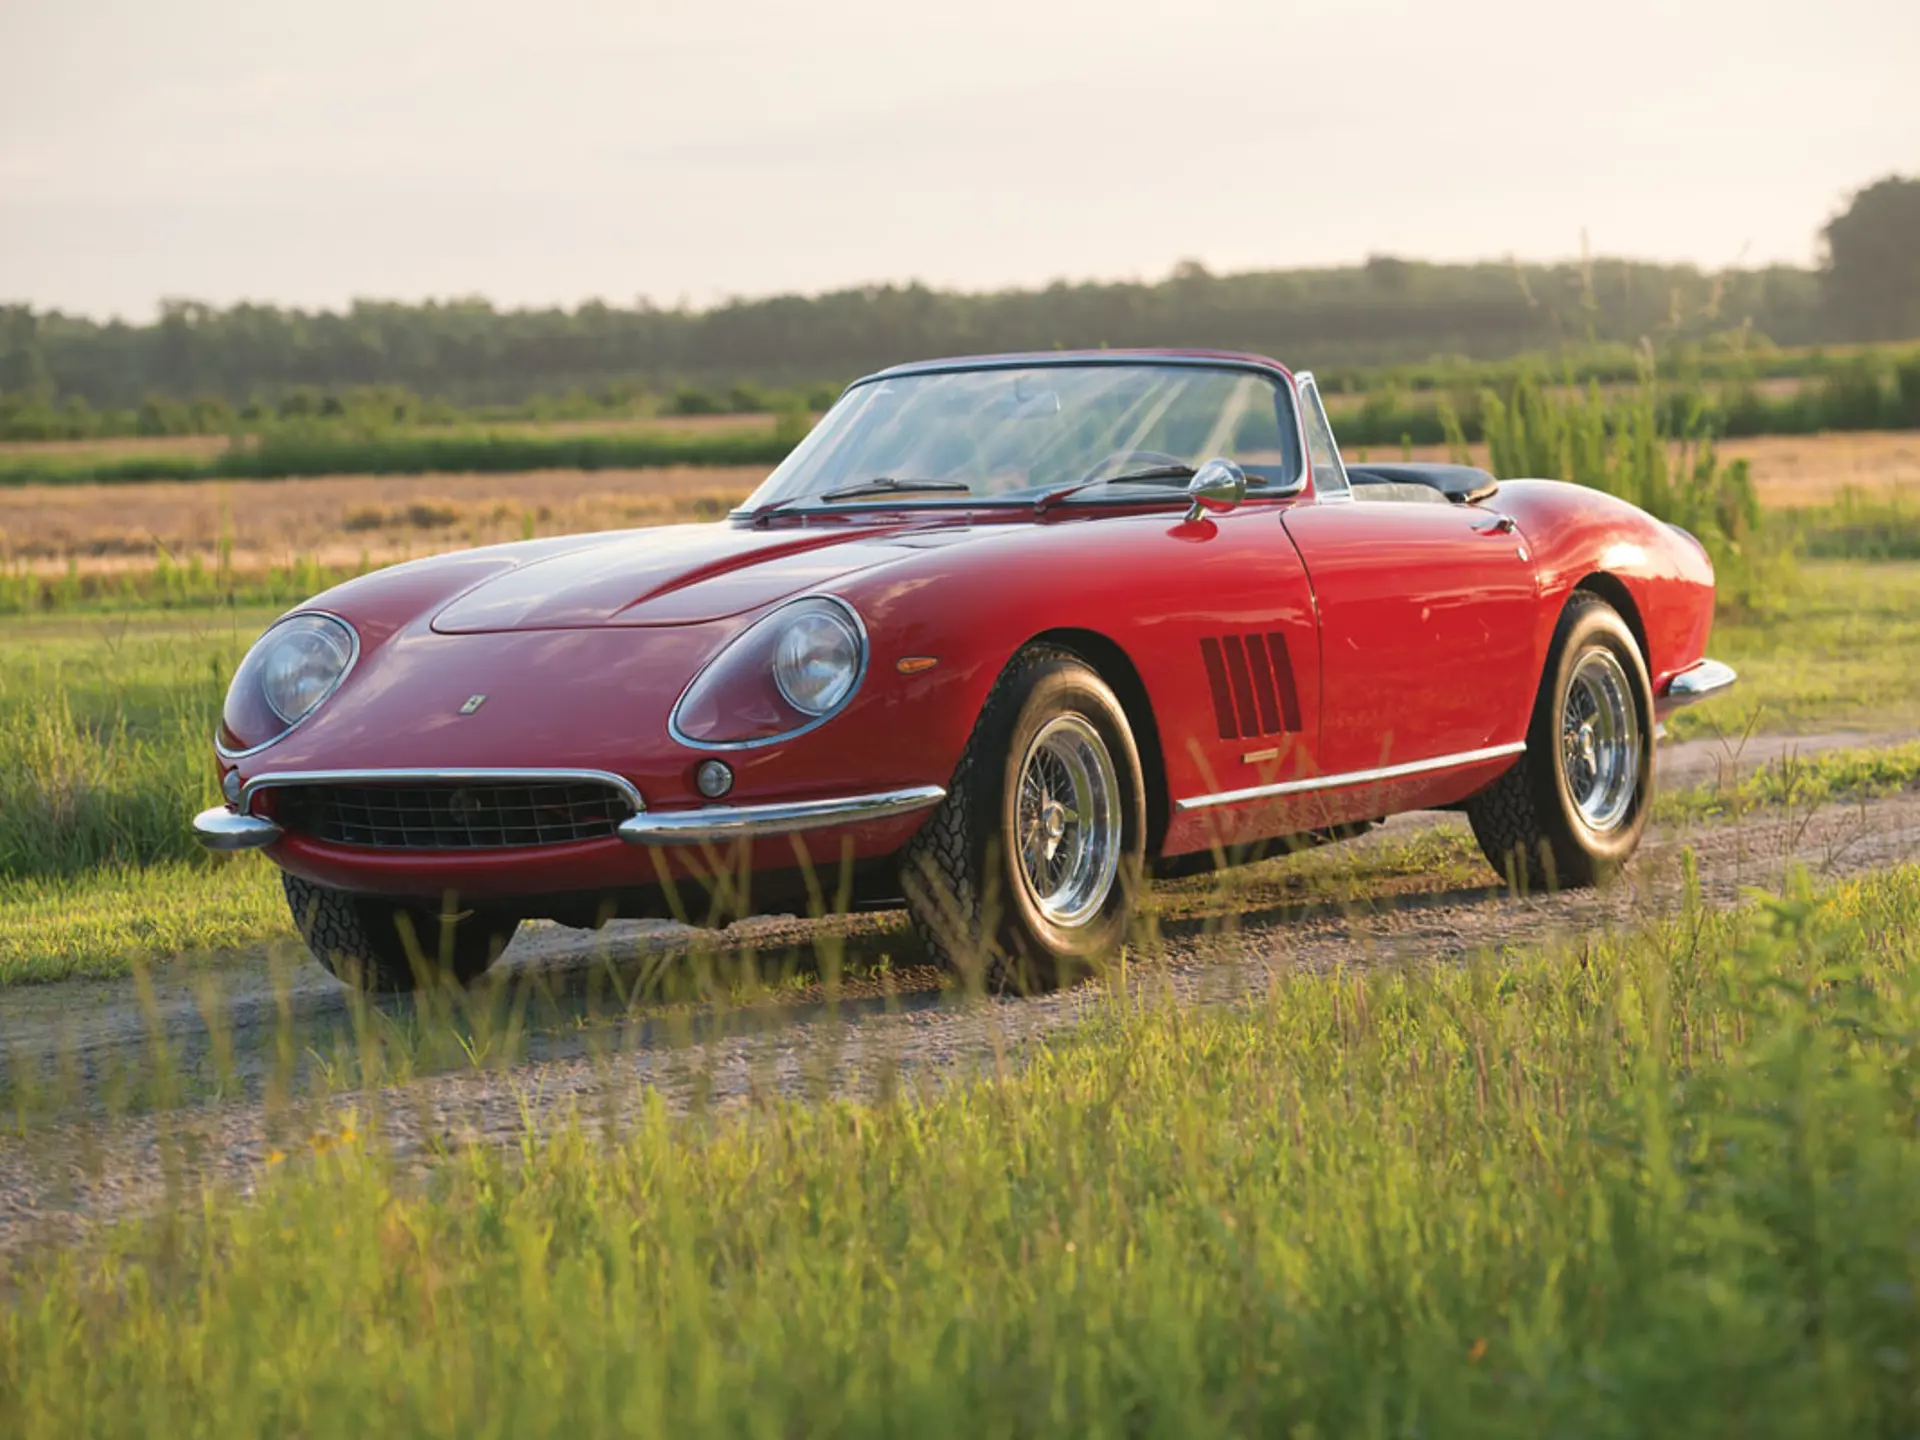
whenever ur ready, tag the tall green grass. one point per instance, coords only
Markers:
(105, 740)
(1662, 1183)
(1624, 444)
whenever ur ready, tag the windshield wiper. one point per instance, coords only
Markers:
(1132, 477)
(888, 485)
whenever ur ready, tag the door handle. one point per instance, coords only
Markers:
(1501, 525)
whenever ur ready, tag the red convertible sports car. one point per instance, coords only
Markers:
(1003, 637)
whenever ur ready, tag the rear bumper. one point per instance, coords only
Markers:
(1697, 682)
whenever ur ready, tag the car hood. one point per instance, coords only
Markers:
(677, 575)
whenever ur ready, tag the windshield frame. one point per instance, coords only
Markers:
(1296, 477)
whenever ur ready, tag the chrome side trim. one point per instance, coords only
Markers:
(221, 829)
(281, 778)
(1351, 777)
(1697, 683)
(746, 822)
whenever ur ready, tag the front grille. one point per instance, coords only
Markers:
(454, 816)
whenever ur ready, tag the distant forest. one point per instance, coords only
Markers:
(1386, 311)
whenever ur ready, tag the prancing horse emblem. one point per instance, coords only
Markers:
(474, 702)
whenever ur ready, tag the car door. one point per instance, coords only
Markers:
(1426, 618)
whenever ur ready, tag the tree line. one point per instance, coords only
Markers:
(1386, 311)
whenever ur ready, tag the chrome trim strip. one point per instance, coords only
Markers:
(352, 660)
(221, 829)
(275, 780)
(746, 822)
(1698, 682)
(859, 679)
(1352, 777)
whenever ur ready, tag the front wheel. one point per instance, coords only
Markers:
(379, 944)
(1573, 809)
(1028, 872)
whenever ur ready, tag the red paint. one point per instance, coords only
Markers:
(1343, 635)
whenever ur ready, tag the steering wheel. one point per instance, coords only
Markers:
(1121, 461)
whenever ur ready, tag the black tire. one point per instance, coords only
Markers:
(970, 896)
(379, 944)
(1529, 823)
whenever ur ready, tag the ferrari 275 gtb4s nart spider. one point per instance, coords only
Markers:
(1002, 638)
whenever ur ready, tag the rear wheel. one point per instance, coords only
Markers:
(376, 943)
(1027, 873)
(1574, 807)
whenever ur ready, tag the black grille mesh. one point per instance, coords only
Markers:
(450, 816)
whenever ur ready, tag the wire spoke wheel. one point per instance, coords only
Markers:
(1068, 821)
(1600, 740)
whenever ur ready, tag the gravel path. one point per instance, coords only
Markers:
(246, 1040)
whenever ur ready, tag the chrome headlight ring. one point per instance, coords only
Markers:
(286, 676)
(787, 673)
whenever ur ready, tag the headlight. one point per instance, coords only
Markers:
(782, 675)
(289, 671)
(817, 661)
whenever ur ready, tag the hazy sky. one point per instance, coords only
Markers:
(556, 150)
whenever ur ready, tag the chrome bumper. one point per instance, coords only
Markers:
(1697, 683)
(222, 829)
(748, 822)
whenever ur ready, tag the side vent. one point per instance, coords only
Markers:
(1251, 679)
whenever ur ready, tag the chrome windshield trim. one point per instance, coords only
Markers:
(221, 829)
(746, 822)
(1352, 777)
(281, 779)
(1282, 378)
(1040, 359)
(1302, 381)
(1698, 682)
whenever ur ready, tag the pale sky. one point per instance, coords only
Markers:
(558, 150)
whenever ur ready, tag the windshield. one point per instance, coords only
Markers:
(1018, 434)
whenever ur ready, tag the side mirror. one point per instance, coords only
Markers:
(1216, 487)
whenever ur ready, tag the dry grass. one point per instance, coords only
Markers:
(1790, 471)
(337, 519)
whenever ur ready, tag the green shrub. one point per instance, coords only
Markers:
(1625, 444)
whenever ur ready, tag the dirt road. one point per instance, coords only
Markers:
(241, 1039)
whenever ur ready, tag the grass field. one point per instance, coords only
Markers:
(1660, 1182)
(347, 522)
(343, 519)
(1661, 1185)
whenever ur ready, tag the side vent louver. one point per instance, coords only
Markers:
(1251, 678)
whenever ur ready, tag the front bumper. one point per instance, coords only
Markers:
(227, 829)
(718, 823)
(1701, 681)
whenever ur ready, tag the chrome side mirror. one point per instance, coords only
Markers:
(1216, 487)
